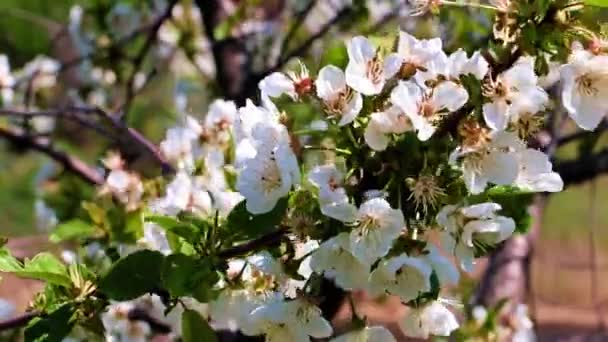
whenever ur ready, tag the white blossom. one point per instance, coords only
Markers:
(585, 88)
(415, 54)
(403, 276)
(295, 320)
(514, 92)
(430, 319)
(333, 199)
(125, 185)
(339, 99)
(426, 106)
(536, 172)
(272, 172)
(377, 227)
(293, 84)
(334, 260)
(494, 161)
(382, 124)
(181, 144)
(367, 71)
(367, 334)
(475, 224)
(185, 193)
(7, 81)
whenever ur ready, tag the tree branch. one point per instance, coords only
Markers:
(70, 163)
(244, 248)
(584, 168)
(305, 46)
(139, 58)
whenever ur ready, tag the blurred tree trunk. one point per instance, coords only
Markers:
(507, 275)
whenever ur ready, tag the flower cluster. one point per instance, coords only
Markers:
(395, 182)
(369, 208)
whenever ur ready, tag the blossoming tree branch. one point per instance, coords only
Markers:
(415, 161)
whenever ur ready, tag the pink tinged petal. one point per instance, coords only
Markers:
(277, 84)
(318, 327)
(496, 114)
(449, 95)
(352, 109)
(360, 50)
(406, 96)
(521, 75)
(392, 64)
(374, 136)
(501, 168)
(481, 210)
(330, 82)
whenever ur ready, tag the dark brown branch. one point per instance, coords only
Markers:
(19, 321)
(139, 58)
(582, 134)
(305, 46)
(584, 168)
(70, 163)
(135, 314)
(249, 246)
(301, 17)
(133, 135)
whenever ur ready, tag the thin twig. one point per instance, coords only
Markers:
(296, 25)
(305, 46)
(139, 58)
(71, 163)
(244, 248)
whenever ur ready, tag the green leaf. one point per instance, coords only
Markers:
(597, 3)
(133, 275)
(177, 274)
(185, 230)
(196, 329)
(9, 263)
(248, 226)
(72, 230)
(43, 266)
(52, 328)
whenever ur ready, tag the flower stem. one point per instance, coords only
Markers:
(330, 149)
(471, 5)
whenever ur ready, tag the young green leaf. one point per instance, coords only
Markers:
(72, 230)
(196, 329)
(133, 275)
(53, 327)
(248, 226)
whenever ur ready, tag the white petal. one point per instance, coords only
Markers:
(450, 96)
(330, 82)
(496, 114)
(352, 109)
(392, 64)
(501, 168)
(277, 84)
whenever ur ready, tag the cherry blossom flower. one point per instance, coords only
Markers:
(292, 84)
(382, 124)
(585, 88)
(272, 172)
(334, 260)
(416, 54)
(430, 319)
(467, 226)
(340, 100)
(332, 196)
(426, 106)
(513, 92)
(403, 276)
(295, 320)
(493, 158)
(367, 71)
(377, 227)
(536, 172)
